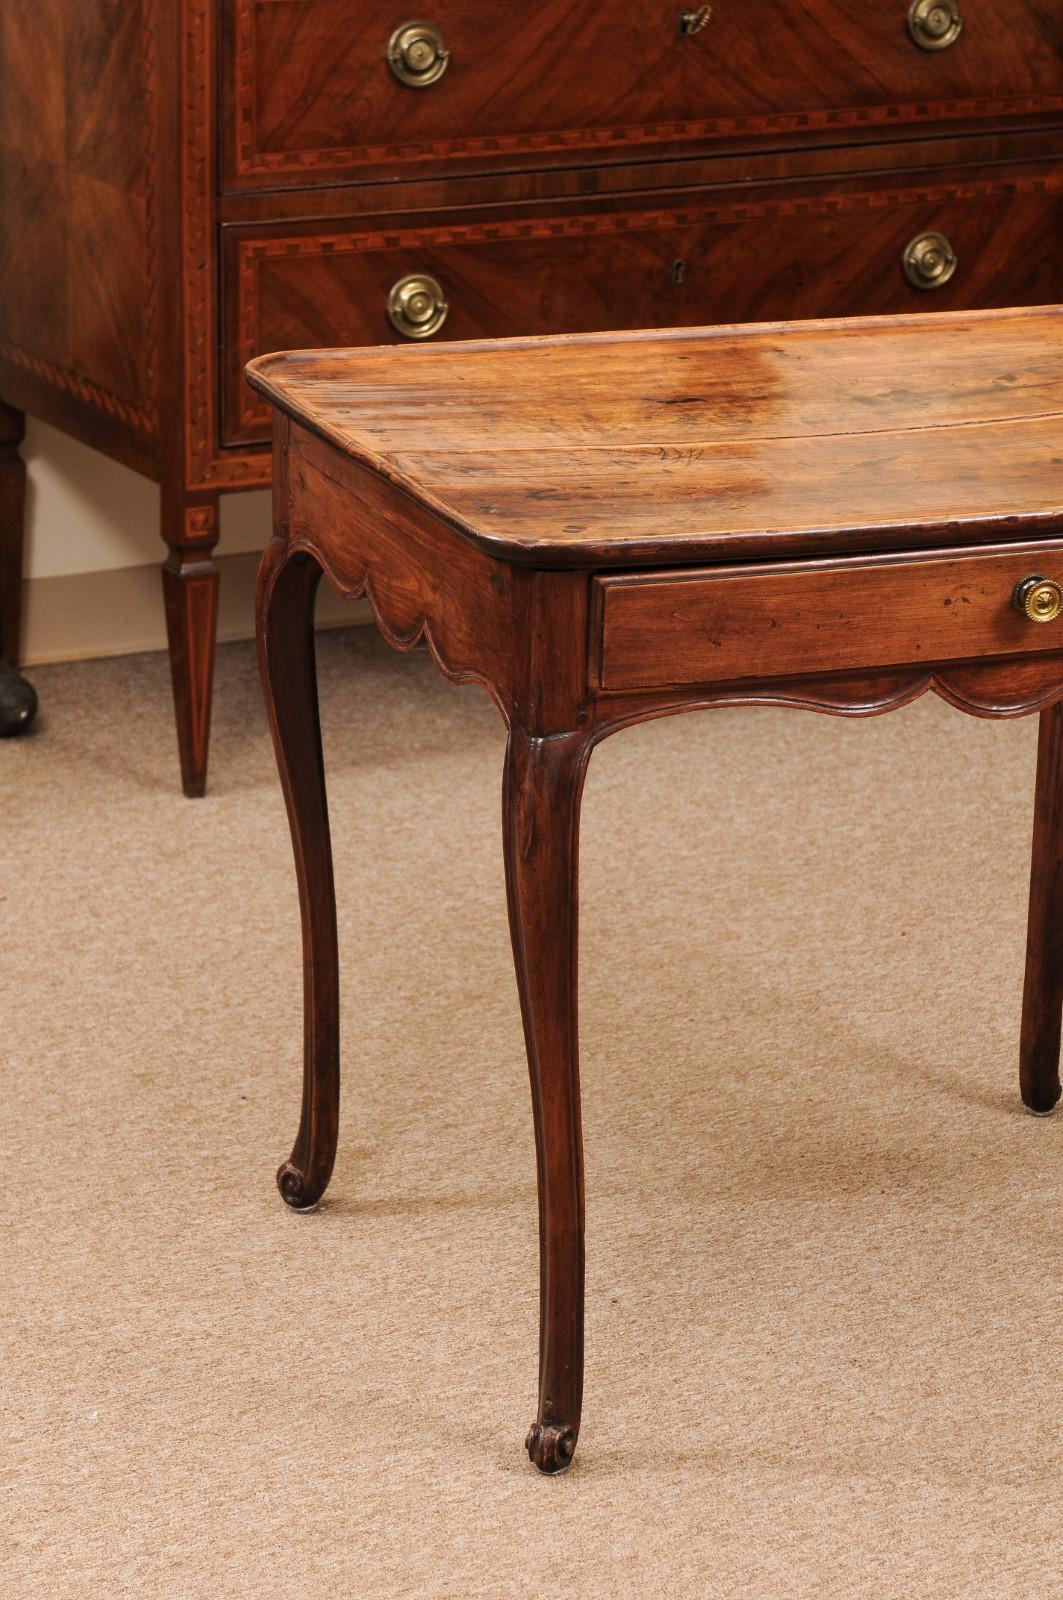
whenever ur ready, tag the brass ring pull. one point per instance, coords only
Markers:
(934, 24)
(417, 55)
(417, 306)
(929, 261)
(1038, 598)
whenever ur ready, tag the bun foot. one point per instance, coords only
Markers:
(18, 702)
(551, 1447)
(296, 1192)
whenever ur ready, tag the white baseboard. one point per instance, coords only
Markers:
(119, 612)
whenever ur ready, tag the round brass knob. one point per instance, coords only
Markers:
(417, 306)
(1038, 597)
(929, 261)
(934, 24)
(417, 55)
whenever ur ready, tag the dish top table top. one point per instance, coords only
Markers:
(611, 450)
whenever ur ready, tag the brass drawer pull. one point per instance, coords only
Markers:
(417, 55)
(929, 261)
(417, 306)
(934, 24)
(1038, 597)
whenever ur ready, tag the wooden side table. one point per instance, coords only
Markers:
(835, 515)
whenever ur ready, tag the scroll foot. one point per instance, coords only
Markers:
(551, 1447)
(296, 1191)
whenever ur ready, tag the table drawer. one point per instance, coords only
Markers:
(794, 619)
(310, 89)
(724, 255)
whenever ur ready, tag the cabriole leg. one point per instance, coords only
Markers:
(190, 593)
(541, 804)
(1042, 1000)
(287, 588)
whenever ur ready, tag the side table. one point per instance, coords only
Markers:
(602, 529)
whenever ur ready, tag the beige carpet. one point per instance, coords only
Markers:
(825, 1265)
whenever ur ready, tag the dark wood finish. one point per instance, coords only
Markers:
(686, 258)
(287, 588)
(12, 528)
(190, 596)
(1042, 998)
(541, 792)
(461, 490)
(79, 262)
(556, 81)
(186, 183)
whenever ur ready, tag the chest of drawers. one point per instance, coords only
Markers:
(188, 183)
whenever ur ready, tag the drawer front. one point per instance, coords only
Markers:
(310, 89)
(728, 256)
(795, 619)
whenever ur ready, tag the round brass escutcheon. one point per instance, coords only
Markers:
(417, 306)
(934, 24)
(929, 261)
(1038, 598)
(417, 55)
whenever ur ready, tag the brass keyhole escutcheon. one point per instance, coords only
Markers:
(692, 22)
(929, 261)
(417, 306)
(1038, 598)
(417, 55)
(934, 24)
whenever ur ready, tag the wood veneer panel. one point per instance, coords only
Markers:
(725, 255)
(310, 92)
(79, 271)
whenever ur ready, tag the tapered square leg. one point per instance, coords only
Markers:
(541, 804)
(12, 531)
(1042, 1000)
(190, 593)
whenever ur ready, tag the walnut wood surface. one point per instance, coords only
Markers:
(285, 611)
(414, 578)
(613, 450)
(12, 513)
(806, 249)
(78, 186)
(185, 184)
(363, 443)
(541, 791)
(1042, 999)
(1014, 686)
(779, 618)
(560, 78)
(190, 599)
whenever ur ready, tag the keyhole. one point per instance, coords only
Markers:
(679, 271)
(691, 22)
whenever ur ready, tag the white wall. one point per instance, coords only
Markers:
(86, 513)
(91, 566)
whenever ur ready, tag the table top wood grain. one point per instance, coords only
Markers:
(611, 450)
